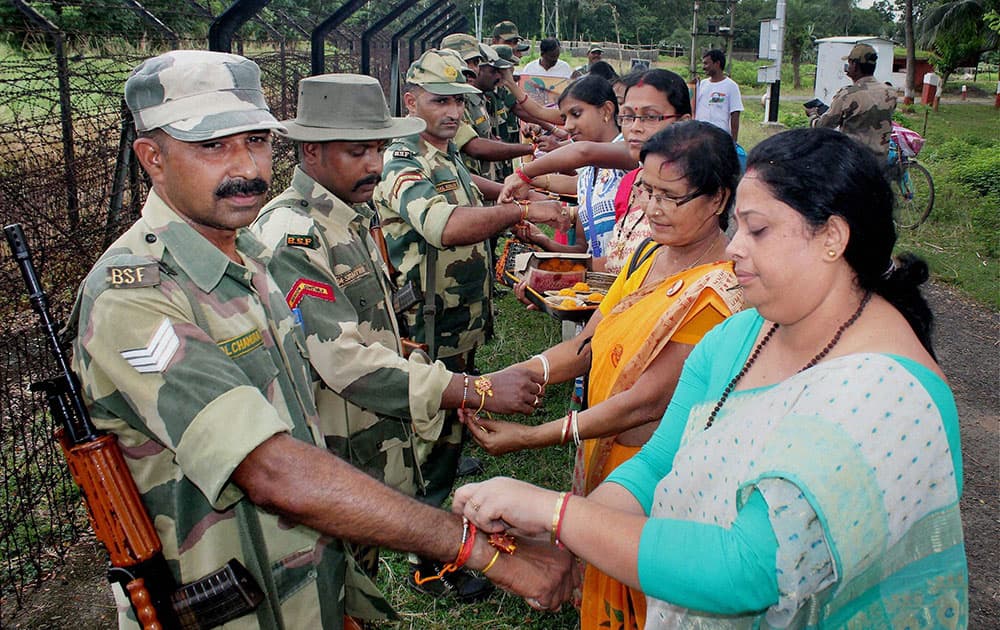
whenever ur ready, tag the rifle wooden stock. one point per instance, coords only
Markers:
(116, 512)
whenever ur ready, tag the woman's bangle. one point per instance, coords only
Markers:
(523, 207)
(565, 430)
(545, 367)
(465, 389)
(489, 565)
(557, 519)
(520, 173)
(575, 424)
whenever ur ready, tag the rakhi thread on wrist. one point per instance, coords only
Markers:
(465, 390)
(464, 553)
(484, 387)
(503, 543)
(521, 100)
(523, 206)
(522, 175)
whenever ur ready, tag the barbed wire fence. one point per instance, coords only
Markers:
(68, 176)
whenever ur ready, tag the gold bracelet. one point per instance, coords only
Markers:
(490, 564)
(555, 517)
(547, 187)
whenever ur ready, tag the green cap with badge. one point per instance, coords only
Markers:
(506, 31)
(439, 74)
(465, 45)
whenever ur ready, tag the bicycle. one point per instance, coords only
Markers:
(913, 188)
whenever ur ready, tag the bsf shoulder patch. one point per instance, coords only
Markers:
(304, 287)
(134, 276)
(157, 354)
(236, 347)
(301, 240)
(402, 153)
(446, 186)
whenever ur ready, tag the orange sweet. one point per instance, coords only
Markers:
(567, 292)
(567, 303)
(581, 287)
(595, 297)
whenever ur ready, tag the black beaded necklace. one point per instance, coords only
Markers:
(767, 337)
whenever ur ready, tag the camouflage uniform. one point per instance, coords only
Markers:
(506, 126)
(864, 112)
(420, 188)
(476, 120)
(193, 361)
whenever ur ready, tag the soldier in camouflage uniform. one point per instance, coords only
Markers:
(477, 140)
(436, 228)
(864, 109)
(338, 286)
(187, 352)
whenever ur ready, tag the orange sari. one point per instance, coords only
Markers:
(681, 308)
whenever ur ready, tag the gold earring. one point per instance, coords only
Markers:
(831, 253)
(606, 119)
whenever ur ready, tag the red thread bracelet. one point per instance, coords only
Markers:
(521, 100)
(559, 521)
(524, 178)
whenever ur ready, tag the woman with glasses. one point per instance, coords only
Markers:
(808, 470)
(675, 288)
(653, 99)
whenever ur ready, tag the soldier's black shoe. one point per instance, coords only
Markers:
(469, 466)
(463, 585)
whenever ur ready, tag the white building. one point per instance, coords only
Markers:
(830, 75)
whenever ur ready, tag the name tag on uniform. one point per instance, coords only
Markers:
(346, 278)
(134, 276)
(446, 186)
(481, 120)
(300, 240)
(236, 347)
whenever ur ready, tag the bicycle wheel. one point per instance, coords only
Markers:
(914, 190)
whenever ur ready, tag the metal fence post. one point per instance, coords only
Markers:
(318, 37)
(172, 37)
(375, 28)
(394, 100)
(456, 25)
(65, 109)
(438, 19)
(220, 33)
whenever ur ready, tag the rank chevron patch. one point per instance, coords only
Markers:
(155, 357)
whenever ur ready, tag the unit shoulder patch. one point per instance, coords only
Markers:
(133, 276)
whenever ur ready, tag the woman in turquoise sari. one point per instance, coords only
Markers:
(807, 471)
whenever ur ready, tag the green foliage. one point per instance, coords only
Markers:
(793, 118)
(979, 169)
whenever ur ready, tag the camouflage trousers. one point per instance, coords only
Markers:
(439, 459)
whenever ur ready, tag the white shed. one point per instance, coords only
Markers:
(830, 75)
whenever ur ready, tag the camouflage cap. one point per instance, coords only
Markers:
(439, 74)
(595, 49)
(345, 107)
(506, 31)
(465, 45)
(862, 53)
(466, 69)
(506, 53)
(492, 58)
(196, 95)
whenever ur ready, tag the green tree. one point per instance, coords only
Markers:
(957, 32)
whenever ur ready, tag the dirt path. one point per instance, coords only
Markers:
(967, 340)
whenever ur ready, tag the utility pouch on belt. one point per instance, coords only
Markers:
(406, 298)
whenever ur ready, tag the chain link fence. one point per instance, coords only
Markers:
(68, 176)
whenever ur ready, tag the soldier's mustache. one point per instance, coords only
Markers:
(368, 180)
(233, 187)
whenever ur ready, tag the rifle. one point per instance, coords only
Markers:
(114, 506)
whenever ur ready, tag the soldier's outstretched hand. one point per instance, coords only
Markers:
(550, 212)
(516, 389)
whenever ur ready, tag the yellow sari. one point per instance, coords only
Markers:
(681, 308)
